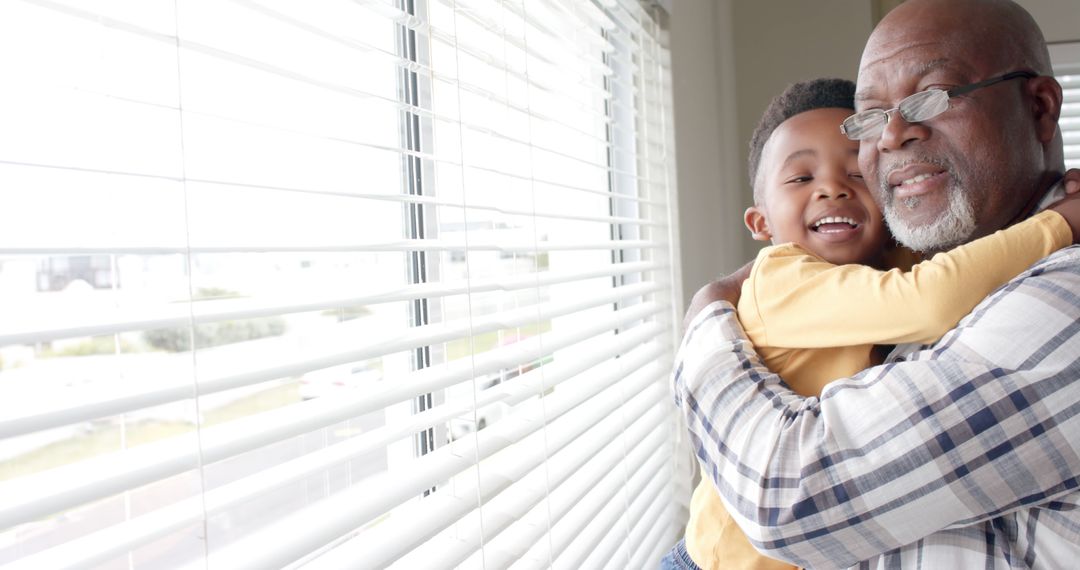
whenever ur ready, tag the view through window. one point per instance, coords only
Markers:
(1066, 61)
(306, 284)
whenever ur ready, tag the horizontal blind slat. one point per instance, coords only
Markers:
(601, 534)
(613, 550)
(596, 488)
(403, 245)
(660, 536)
(213, 311)
(143, 529)
(86, 405)
(127, 27)
(407, 198)
(475, 14)
(323, 522)
(645, 531)
(427, 335)
(25, 499)
(392, 540)
(641, 178)
(597, 502)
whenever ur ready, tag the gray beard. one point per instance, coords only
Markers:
(953, 227)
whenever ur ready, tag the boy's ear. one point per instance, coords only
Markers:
(756, 223)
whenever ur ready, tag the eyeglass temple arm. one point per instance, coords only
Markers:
(968, 88)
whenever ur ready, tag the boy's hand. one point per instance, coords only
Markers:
(1069, 208)
(729, 288)
(1072, 181)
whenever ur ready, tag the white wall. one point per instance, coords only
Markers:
(1059, 19)
(729, 58)
(779, 42)
(711, 242)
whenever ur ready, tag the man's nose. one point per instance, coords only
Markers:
(899, 132)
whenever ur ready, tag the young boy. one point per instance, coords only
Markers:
(815, 305)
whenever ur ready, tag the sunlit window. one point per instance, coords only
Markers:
(1066, 61)
(290, 284)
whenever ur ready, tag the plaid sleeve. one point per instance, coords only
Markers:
(982, 424)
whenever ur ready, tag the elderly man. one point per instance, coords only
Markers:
(964, 454)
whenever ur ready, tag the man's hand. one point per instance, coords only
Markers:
(724, 289)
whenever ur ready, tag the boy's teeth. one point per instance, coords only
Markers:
(916, 179)
(835, 220)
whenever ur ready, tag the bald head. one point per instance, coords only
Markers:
(998, 31)
(985, 161)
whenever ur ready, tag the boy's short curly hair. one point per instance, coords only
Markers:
(825, 93)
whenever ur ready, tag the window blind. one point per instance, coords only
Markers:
(1066, 61)
(388, 283)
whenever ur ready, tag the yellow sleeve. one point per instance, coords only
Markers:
(803, 301)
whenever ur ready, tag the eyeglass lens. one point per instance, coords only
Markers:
(918, 107)
(921, 106)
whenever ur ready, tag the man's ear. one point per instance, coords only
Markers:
(1046, 97)
(756, 223)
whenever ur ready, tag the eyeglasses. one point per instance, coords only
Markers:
(924, 105)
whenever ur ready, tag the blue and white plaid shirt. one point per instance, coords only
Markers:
(963, 454)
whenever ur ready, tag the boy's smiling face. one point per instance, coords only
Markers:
(813, 193)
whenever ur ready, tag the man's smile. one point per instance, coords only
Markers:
(915, 180)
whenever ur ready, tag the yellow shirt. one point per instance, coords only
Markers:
(813, 322)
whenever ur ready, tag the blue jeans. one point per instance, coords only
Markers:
(678, 559)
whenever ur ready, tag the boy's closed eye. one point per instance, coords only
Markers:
(809, 177)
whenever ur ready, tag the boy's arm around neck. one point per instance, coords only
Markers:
(804, 302)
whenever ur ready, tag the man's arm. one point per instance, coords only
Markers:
(724, 289)
(984, 423)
